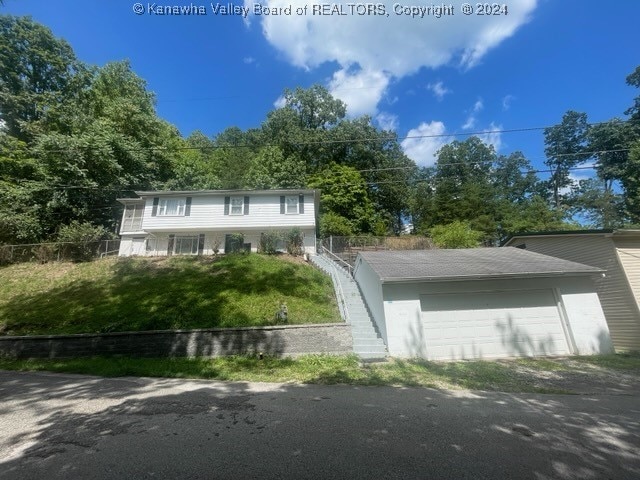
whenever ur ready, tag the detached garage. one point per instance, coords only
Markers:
(482, 303)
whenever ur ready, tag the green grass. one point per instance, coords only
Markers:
(161, 293)
(326, 369)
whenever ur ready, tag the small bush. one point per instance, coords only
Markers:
(269, 242)
(79, 242)
(295, 242)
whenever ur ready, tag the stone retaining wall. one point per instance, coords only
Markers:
(289, 340)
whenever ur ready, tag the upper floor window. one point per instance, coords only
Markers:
(132, 218)
(291, 203)
(171, 207)
(237, 206)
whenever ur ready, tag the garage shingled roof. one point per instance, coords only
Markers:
(469, 263)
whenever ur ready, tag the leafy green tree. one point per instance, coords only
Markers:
(565, 147)
(333, 224)
(232, 151)
(457, 234)
(599, 205)
(462, 185)
(534, 215)
(195, 166)
(344, 194)
(633, 80)
(270, 169)
(36, 71)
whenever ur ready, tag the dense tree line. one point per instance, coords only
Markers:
(75, 137)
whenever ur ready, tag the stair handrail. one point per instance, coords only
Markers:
(342, 299)
(340, 261)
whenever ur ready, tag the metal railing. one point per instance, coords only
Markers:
(339, 260)
(342, 299)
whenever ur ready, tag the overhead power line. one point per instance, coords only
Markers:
(384, 138)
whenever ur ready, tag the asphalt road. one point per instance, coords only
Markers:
(67, 426)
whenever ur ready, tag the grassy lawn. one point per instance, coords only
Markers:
(161, 293)
(326, 369)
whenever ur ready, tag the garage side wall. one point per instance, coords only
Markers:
(371, 290)
(588, 327)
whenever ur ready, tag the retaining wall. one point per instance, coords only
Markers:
(287, 341)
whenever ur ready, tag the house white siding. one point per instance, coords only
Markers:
(208, 213)
(200, 221)
(616, 297)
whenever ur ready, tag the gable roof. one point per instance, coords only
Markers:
(468, 264)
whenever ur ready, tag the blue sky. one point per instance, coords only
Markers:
(417, 76)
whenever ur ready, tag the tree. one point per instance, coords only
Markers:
(195, 166)
(599, 205)
(344, 194)
(270, 169)
(633, 80)
(457, 234)
(462, 185)
(36, 70)
(565, 147)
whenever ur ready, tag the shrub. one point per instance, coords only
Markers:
(80, 242)
(269, 242)
(295, 242)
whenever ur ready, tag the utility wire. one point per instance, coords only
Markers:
(386, 138)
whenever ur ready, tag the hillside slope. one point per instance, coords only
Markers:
(161, 293)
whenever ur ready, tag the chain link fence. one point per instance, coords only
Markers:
(347, 248)
(58, 251)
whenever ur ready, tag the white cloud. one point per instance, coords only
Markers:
(506, 102)
(493, 136)
(280, 102)
(423, 142)
(395, 45)
(360, 90)
(387, 121)
(472, 118)
(438, 89)
(248, 60)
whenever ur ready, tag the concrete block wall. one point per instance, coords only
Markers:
(281, 341)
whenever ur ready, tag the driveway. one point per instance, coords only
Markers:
(68, 426)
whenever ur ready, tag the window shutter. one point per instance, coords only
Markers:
(201, 244)
(301, 204)
(187, 207)
(227, 201)
(154, 211)
(172, 240)
(282, 205)
(246, 205)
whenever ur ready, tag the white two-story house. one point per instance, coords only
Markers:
(213, 221)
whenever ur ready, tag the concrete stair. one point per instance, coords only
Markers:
(367, 344)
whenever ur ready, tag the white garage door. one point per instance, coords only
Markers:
(488, 325)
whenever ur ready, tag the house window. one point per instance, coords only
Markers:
(291, 203)
(171, 207)
(185, 245)
(237, 206)
(132, 220)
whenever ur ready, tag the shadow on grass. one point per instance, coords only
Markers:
(176, 293)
